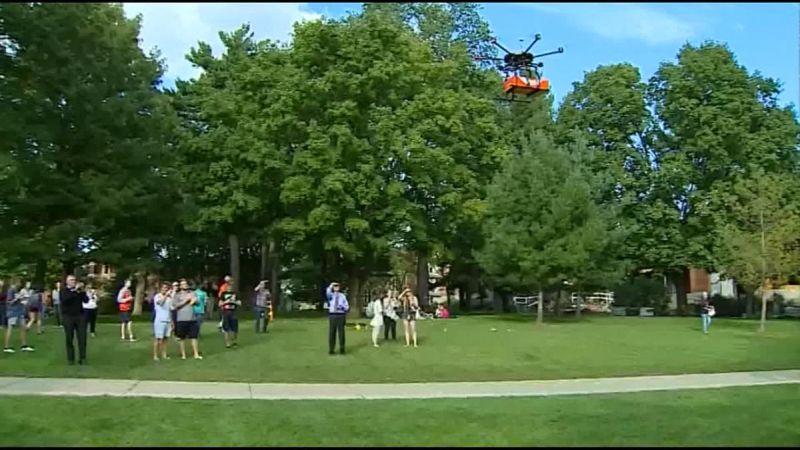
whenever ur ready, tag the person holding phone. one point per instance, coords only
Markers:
(337, 315)
(15, 314)
(162, 323)
(186, 325)
(74, 320)
(90, 308)
(229, 304)
(261, 305)
(707, 311)
(409, 308)
(125, 304)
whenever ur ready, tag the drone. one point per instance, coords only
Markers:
(522, 74)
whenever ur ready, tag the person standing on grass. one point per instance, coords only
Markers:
(390, 318)
(707, 311)
(225, 287)
(262, 303)
(410, 306)
(161, 322)
(34, 307)
(74, 320)
(337, 315)
(377, 320)
(125, 302)
(199, 307)
(15, 314)
(186, 327)
(90, 308)
(56, 299)
(3, 297)
(228, 304)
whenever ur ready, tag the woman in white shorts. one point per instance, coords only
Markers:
(162, 322)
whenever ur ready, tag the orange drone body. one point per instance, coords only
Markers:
(516, 84)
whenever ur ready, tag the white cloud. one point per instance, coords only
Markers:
(624, 21)
(176, 27)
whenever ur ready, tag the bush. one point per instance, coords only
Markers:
(640, 292)
(728, 307)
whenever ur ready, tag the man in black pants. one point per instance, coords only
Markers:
(73, 319)
(337, 313)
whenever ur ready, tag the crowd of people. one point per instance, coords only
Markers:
(178, 310)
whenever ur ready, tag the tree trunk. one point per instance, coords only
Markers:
(69, 267)
(324, 281)
(540, 309)
(558, 303)
(355, 295)
(422, 278)
(274, 273)
(39, 275)
(141, 287)
(763, 324)
(461, 303)
(577, 306)
(496, 300)
(749, 304)
(262, 273)
(233, 241)
(679, 279)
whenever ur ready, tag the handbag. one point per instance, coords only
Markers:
(712, 312)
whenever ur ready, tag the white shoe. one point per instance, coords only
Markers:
(198, 357)
(8, 350)
(375, 345)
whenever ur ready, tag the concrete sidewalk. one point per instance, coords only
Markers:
(286, 391)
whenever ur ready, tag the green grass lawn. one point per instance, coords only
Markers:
(481, 348)
(751, 416)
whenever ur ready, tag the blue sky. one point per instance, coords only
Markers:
(764, 37)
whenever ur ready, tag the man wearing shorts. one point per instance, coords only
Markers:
(161, 322)
(186, 327)
(125, 302)
(15, 315)
(228, 303)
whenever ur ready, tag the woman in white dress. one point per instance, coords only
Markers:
(377, 320)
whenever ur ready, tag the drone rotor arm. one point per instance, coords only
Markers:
(535, 40)
(500, 46)
(555, 52)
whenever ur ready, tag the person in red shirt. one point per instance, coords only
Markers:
(125, 302)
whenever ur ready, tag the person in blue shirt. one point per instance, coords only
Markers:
(200, 306)
(337, 313)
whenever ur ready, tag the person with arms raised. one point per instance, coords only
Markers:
(228, 303)
(125, 302)
(337, 314)
(74, 320)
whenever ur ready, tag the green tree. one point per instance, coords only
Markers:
(715, 121)
(758, 240)
(544, 225)
(86, 131)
